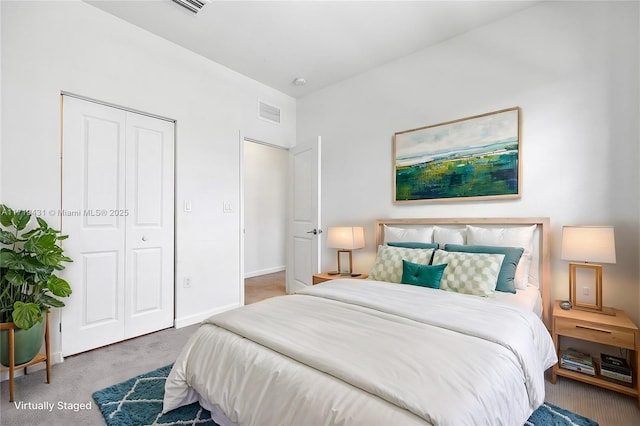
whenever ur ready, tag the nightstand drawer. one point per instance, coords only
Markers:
(595, 333)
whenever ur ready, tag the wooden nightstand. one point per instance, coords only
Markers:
(324, 276)
(616, 330)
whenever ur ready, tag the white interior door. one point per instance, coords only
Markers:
(92, 171)
(304, 216)
(117, 205)
(149, 233)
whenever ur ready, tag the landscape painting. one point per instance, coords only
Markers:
(466, 159)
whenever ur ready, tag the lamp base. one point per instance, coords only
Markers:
(605, 310)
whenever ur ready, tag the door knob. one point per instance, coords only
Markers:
(315, 231)
(144, 238)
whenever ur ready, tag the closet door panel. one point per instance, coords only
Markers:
(150, 147)
(148, 273)
(93, 167)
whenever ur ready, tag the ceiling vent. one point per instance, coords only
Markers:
(268, 112)
(192, 5)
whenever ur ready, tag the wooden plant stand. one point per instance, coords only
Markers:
(46, 357)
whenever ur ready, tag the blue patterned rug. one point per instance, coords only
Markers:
(138, 401)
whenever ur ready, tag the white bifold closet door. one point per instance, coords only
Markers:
(118, 210)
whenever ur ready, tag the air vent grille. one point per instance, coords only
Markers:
(192, 5)
(269, 112)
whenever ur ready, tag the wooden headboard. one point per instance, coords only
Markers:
(541, 246)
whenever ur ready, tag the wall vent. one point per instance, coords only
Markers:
(192, 5)
(268, 112)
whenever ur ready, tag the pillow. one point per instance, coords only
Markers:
(388, 265)
(507, 273)
(411, 244)
(469, 273)
(444, 236)
(423, 234)
(422, 275)
(517, 236)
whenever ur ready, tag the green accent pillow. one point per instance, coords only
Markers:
(388, 265)
(422, 275)
(470, 273)
(411, 244)
(507, 274)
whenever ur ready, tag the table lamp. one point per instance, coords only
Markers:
(345, 239)
(588, 244)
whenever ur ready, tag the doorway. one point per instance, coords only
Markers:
(265, 207)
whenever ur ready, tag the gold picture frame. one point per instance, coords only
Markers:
(472, 158)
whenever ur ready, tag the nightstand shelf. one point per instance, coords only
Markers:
(617, 331)
(325, 276)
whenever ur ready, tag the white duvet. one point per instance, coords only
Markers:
(367, 352)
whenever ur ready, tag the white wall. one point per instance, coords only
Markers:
(49, 47)
(573, 69)
(265, 209)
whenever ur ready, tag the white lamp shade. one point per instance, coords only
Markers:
(345, 237)
(588, 244)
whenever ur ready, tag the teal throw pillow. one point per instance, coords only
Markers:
(507, 273)
(422, 275)
(410, 244)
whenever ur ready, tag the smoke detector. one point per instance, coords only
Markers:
(192, 5)
(299, 81)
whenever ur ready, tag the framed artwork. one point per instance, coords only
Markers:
(467, 159)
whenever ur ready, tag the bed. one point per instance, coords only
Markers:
(382, 352)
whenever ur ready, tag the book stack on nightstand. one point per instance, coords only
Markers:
(616, 368)
(574, 360)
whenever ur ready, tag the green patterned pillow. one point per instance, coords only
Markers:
(470, 273)
(388, 266)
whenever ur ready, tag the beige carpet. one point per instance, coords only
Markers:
(606, 407)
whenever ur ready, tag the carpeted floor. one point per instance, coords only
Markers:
(138, 401)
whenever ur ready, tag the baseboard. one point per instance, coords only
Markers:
(292, 287)
(264, 271)
(56, 358)
(198, 318)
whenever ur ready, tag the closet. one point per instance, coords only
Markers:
(118, 210)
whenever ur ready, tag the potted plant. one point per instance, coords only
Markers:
(29, 287)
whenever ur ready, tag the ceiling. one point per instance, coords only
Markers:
(323, 42)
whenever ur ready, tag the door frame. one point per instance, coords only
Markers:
(241, 141)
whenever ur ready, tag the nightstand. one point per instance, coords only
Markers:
(325, 276)
(617, 331)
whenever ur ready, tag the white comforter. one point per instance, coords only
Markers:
(367, 352)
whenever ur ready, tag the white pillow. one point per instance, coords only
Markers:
(517, 236)
(388, 265)
(469, 273)
(444, 236)
(423, 234)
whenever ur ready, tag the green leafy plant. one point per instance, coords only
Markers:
(28, 260)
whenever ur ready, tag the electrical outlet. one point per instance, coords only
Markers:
(585, 291)
(187, 282)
